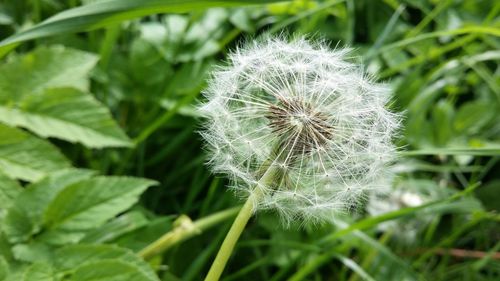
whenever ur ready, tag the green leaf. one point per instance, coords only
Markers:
(26, 157)
(68, 114)
(46, 67)
(40, 272)
(108, 270)
(103, 13)
(32, 252)
(88, 204)
(116, 228)
(24, 217)
(37, 196)
(9, 189)
(18, 227)
(74, 256)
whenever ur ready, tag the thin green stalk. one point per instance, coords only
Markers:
(110, 38)
(184, 229)
(237, 228)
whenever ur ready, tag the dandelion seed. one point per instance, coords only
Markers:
(305, 111)
(408, 193)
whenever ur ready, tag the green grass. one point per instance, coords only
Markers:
(440, 58)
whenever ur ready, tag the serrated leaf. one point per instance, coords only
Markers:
(108, 270)
(32, 252)
(9, 190)
(17, 225)
(24, 217)
(46, 67)
(71, 257)
(37, 196)
(67, 114)
(88, 204)
(118, 227)
(26, 157)
(40, 272)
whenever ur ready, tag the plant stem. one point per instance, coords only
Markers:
(237, 228)
(184, 229)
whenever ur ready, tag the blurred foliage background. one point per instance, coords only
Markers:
(147, 62)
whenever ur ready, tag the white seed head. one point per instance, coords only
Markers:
(304, 109)
(408, 193)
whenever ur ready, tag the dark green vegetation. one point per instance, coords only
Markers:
(87, 115)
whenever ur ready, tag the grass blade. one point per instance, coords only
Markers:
(104, 13)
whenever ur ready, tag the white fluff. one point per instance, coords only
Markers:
(303, 108)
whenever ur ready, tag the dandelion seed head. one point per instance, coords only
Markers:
(309, 112)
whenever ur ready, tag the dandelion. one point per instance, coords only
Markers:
(298, 129)
(407, 193)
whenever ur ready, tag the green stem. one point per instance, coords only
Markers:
(237, 228)
(184, 229)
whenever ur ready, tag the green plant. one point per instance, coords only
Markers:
(100, 93)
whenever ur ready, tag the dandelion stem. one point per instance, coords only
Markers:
(238, 225)
(184, 229)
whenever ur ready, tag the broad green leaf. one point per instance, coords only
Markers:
(35, 94)
(24, 217)
(68, 114)
(32, 252)
(71, 257)
(88, 204)
(17, 226)
(108, 270)
(46, 67)
(103, 13)
(39, 272)
(26, 157)
(37, 196)
(9, 189)
(116, 228)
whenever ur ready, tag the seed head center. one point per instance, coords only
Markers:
(299, 120)
(299, 126)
